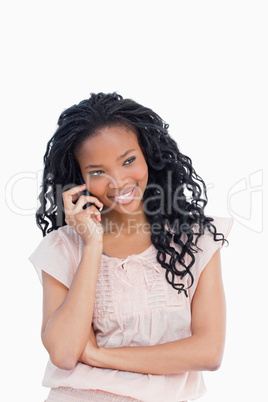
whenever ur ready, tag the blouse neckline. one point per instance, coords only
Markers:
(131, 255)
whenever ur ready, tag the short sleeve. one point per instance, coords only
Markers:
(208, 246)
(57, 254)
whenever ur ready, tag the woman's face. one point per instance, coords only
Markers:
(114, 168)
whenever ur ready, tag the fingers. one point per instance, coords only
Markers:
(81, 219)
(75, 214)
(83, 201)
(93, 212)
(73, 194)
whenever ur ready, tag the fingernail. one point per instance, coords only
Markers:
(101, 208)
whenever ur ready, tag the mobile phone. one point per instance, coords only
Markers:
(86, 192)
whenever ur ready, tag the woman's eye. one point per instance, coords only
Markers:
(96, 173)
(130, 160)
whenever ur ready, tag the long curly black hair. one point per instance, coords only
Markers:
(176, 215)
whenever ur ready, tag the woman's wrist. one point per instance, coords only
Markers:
(101, 357)
(92, 238)
(93, 245)
(95, 357)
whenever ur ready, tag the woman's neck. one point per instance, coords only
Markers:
(127, 224)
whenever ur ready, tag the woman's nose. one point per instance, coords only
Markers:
(118, 181)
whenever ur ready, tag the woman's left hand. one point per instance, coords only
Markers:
(89, 355)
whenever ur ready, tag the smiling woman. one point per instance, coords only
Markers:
(135, 289)
(122, 174)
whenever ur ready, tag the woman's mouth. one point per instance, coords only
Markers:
(125, 197)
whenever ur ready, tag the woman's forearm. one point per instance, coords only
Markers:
(66, 332)
(195, 353)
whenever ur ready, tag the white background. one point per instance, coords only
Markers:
(201, 65)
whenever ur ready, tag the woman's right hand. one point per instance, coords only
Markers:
(86, 222)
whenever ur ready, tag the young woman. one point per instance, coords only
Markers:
(133, 301)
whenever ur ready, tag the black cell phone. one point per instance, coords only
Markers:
(85, 192)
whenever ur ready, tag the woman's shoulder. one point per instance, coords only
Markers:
(62, 242)
(205, 232)
(212, 240)
(63, 234)
(68, 234)
(216, 227)
(213, 237)
(207, 238)
(223, 223)
(58, 254)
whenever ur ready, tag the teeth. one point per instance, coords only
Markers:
(121, 197)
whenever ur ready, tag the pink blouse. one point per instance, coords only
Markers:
(134, 306)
